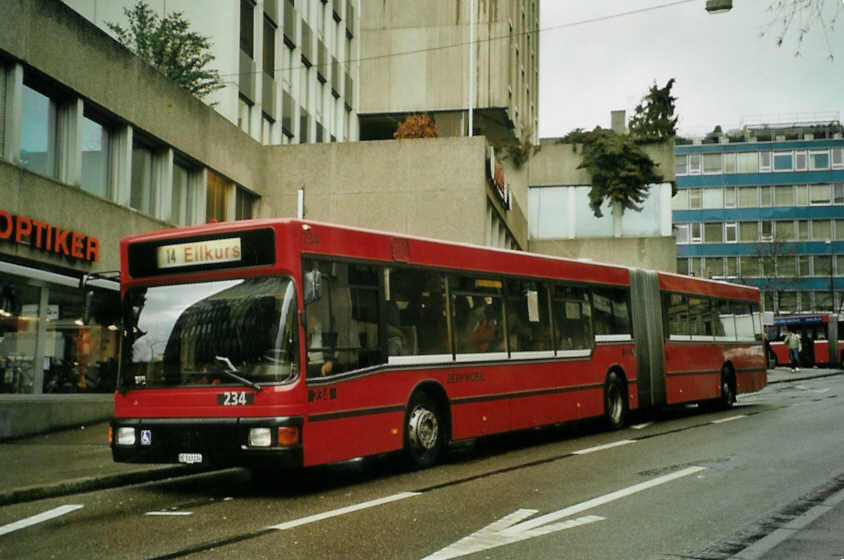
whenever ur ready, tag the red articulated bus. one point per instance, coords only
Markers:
(820, 342)
(271, 343)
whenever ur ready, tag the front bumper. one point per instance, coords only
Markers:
(205, 441)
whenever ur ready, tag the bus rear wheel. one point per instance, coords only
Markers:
(424, 434)
(615, 402)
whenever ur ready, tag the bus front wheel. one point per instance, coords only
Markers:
(728, 392)
(424, 434)
(615, 402)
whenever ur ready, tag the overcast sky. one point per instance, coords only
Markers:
(725, 73)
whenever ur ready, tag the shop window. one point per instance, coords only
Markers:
(38, 132)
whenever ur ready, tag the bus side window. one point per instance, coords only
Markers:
(478, 316)
(676, 312)
(415, 312)
(611, 314)
(572, 317)
(528, 323)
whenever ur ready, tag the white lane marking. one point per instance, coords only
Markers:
(40, 518)
(730, 419)
(173, 513)
(512, 528)
(641, 426)
(342, 511)
(602, 447)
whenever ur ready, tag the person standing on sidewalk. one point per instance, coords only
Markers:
(792, 341)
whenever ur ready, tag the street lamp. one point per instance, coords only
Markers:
(719, 6)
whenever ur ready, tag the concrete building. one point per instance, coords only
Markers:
(290, 68)
(765, 206)
(561, 222)
(415, 57)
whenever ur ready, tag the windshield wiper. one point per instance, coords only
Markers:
(232, 372)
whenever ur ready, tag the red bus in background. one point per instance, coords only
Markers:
(271, 343)
(820, 342)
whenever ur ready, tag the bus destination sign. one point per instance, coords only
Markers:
(195, 253)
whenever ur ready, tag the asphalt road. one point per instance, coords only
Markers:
(688, 484)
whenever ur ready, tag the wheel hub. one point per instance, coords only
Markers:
(423, 428)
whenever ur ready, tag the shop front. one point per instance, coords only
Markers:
(46, 346)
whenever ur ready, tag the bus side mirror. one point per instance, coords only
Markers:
(87, 306)
(312, 288)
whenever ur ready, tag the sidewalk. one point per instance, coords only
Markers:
(79, 460)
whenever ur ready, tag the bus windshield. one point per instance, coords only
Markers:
(184, 334)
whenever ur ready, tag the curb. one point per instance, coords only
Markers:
(806, 377)
(87, 484)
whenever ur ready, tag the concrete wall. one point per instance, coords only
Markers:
(659, 253)
(24, 415)
(432, 187)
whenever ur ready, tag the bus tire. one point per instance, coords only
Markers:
(615, 402)
(772, 360)
(424, 431)
(728, 389)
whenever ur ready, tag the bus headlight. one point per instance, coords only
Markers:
(260, 437)
(125, 436)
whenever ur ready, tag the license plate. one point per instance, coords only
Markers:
(190, 458)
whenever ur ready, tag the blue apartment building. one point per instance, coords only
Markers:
(765, 207)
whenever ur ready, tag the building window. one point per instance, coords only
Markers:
(731, 232)
(786, 266)
(269, 48)
(765, 196)
(729, 197)
(244, 115)
(803, 230)
(695, 200)
(694, 164)
(803, 265)
(839, 230)
(184, 198)
(819, 160)
(247, 31)
(680, 164)
(713, 232)
(244, 201)
(696, 232)
(95, 145)
(787, 301)
(748, 231)
(731, 264)
(712, 163)
(266, 130)
(681, 233)
(838, 157)
(838, 193)
(730, 163)
(748, 197)
(802, 195)
(784, 195)
(767, 230)
(748, 162)
(749, 266)
(764, 161)
(783, 161)
(683, 266)
(713, 267)
(784, 230)
(680, 201)
(215, 198)
(822, 265)
(38, 132)
(142, 196)
(821, 230)
(800, 161)
(819, 194)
